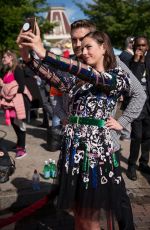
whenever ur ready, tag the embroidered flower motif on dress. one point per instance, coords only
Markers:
(85, 178)
(78, 156)
(75, 171)
(104, 180)
(118, 180)
(92, 162)
(111, 174)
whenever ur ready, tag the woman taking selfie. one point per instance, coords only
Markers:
(88, 169)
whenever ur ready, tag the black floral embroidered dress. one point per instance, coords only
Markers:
(88, 169)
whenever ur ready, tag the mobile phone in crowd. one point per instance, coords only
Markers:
(29, 25)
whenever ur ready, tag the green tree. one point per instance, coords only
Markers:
(119, 18)
(45, 25)
(12, 17)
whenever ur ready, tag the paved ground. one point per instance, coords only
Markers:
(18, 191)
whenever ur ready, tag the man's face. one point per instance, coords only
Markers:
(142, 45)
(76, 38)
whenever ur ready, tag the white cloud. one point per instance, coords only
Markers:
(75, 13)
(70, 11)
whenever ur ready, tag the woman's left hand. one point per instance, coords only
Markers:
(111, 123)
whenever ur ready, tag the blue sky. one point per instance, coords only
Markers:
(73, 12)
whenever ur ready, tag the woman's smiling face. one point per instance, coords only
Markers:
(92, 52)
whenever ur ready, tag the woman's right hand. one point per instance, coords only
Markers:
(29, 41)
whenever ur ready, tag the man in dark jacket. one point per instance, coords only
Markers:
(140, 127)
(126, 55)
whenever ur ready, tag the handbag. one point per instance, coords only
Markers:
(7, 166)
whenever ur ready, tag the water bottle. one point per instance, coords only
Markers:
(46, 170)
(50, 167)
(53, 168)
(36, 181)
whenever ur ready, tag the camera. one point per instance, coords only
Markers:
(29, 25)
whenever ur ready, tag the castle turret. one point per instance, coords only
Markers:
(62, 30)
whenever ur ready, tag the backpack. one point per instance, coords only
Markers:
(7, 166)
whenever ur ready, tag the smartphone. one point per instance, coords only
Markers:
(30, 25)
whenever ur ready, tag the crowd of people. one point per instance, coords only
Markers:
(89, 85)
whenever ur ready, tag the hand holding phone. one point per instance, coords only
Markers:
(30, 25)
(28, 41)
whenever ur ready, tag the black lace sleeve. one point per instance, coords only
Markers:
(103, 80)
(59, 79)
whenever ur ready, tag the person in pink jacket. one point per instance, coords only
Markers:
(15, 99)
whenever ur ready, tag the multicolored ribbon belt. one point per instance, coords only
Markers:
(86, 121)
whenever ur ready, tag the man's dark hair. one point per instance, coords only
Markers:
(85, 23)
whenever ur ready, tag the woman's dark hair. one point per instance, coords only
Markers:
(103, 38)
